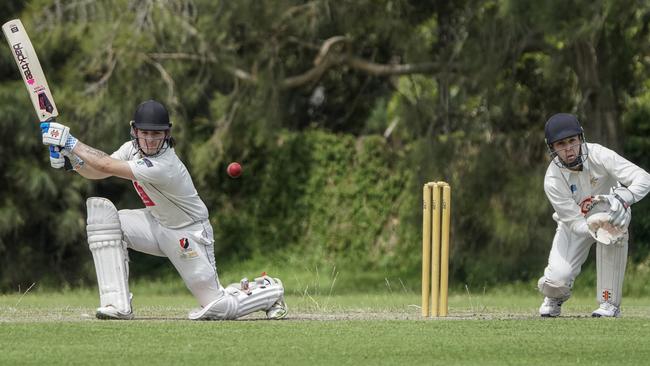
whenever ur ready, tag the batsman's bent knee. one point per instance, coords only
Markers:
(553, 289)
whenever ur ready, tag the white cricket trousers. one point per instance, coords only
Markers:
(190, 249)
(569, 252)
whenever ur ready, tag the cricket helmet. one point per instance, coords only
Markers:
(151, 116)
(559, 127)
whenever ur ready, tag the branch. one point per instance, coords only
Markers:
(327, 46)
(391, 69)
(238, 73)
(330, 56)
(171, 95)
(112, 61)
(360, 64)
(309, 76)
(92, 88)
(332, 53)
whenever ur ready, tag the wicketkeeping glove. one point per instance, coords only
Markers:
(600, 221)
(604, 231)
(618, 207)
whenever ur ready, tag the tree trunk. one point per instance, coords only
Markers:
(443, 46)
(601, 115)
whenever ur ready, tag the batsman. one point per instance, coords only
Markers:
(174, 222)
(591, 189)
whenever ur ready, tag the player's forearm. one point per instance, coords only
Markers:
(96, 159)
(103, 163)
(635, 179)
(89, 172)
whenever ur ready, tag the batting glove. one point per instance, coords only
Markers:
(57, 161)
(75, 162)
(58, 135)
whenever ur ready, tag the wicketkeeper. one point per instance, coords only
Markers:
(173, 224)
(591, 189)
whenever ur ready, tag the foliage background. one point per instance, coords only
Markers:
(335, 145)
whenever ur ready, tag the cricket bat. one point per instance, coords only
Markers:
(31, 71)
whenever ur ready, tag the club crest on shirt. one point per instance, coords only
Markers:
(186, 251)
(593, 181)
(586, 204)
(145, 161)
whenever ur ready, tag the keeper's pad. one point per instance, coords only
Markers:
(610, 266)
(242, 299)
(110, 256)
(553, 289)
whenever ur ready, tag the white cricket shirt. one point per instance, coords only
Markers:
(165, 187)
(604, 169)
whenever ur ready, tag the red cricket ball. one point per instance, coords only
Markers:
(234, 170)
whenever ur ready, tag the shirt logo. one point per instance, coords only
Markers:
(145, 161)
(574, 188)
(593, 181)
(143, 195)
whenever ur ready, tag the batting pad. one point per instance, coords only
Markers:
(223, 308)
(109, 254)
(261, 295)
(237, 302)
(610, 266)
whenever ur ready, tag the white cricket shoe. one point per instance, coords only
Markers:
(606, 310)
(110, 312)
(279, 310)
(551, 307)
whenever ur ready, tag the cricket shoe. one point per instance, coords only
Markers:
(279, 309)
(110, 312)
(606, 310)
(551, 307)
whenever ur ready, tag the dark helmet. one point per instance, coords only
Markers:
(561, 126)
(152, 116)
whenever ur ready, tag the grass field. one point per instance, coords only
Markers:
(58, 328)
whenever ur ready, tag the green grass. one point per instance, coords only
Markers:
(494, 328)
